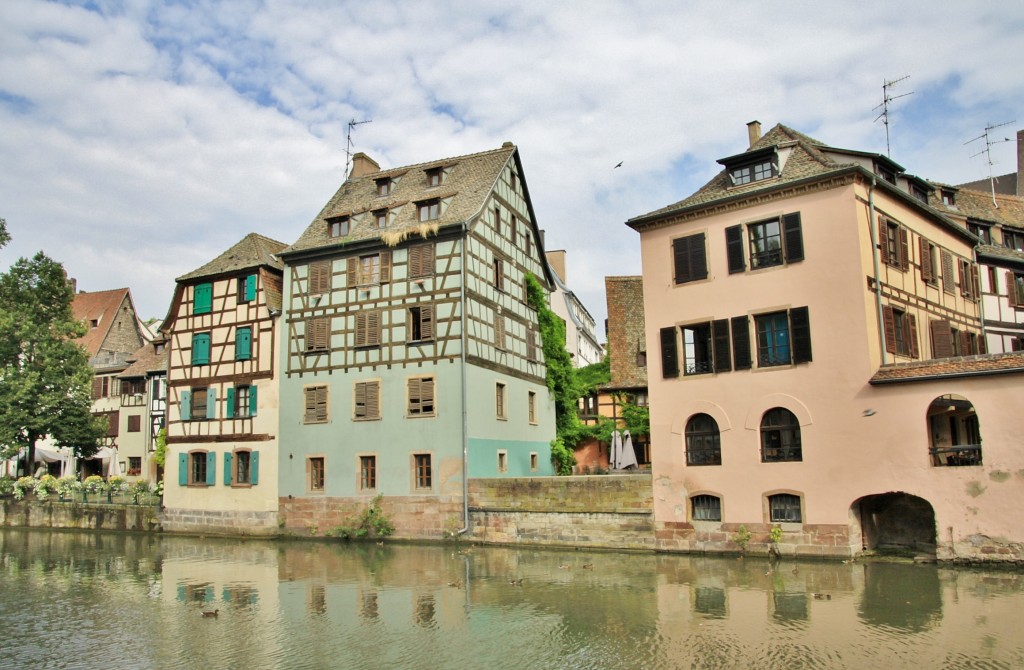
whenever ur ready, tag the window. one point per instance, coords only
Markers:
(339, 227)
(752, 172)
(531, 406)
(317, 472)
(201, 349)
(769, 243)
(900, 332)
(385, 186)
(421, 323)
(241, 401)
(423, 474)
(703, 441)
(243, 343)
(202, 299)
(247, 288)
(782, 337)
(421, 396)
(135, 424)
(434, 176)
(497, 220)
(534, 461)
(315, 404)
(706, 508)
(499, 401)
(369, 269)
(367, 400)
(780, 436)
(101, 387)
(499, 274)
(531, 345)
(502, 460)
(892, 242)
(204, 403)
(319, 277)
(241, 468)
(765, 244)
(368, 328)
(317, 334)
(928, 268)
(429, 210)
(499, 331)
(367, 473)
(1015, 289)
(380, 218)
(919, 192)
(968, 279)
(983, 231)
(885, 172)
(669, 354)
(1013, 239)
(706, 348)
(948, 198)
(201, 468)
(689, 258)
(134, 466)
(421, 261)
(784, 508)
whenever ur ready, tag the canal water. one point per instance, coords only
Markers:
(96, 600)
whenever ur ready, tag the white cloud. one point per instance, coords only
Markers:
(141, 140)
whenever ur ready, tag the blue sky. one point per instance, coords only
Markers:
(141, 139)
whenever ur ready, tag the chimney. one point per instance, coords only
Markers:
(556, 259)
(363, 165)
(1020, 163)
(754, 131)
(74, 285)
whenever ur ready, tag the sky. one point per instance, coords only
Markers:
(141, 139)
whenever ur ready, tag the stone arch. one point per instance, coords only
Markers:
(688, 409)
(894, 521)
(954, 433)
(767, 402)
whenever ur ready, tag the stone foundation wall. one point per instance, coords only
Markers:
(809, 540)
(414, 517)
(47, 514)
(219, 522)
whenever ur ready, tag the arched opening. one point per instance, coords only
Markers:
(896, 521)
(954, 435)
(703, 441)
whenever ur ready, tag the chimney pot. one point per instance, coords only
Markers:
(754, 131)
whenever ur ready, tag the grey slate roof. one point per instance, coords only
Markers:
(1000, 255)
(1007, 210)
(253, 251)
(468, 181)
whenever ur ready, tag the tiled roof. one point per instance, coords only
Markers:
(949, 368)
(468, 181)
(1000, 255)
(805, 160)
(251, 252)
(979, 205)
(98, 306)
(625, 296)
(146, 360)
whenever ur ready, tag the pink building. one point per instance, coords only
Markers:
(801, 309)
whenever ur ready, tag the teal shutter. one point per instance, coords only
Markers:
(250, 287)
(186, 405)
(229, 407)
(252, 400)
(211, 468)
(243, 344)
(201, 349)
(203, 299)
(211, 403)
(227, 468)
(254, 467)
(182, 469)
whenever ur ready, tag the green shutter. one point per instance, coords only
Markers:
(254, 465)
(186, 405)
(202, 299)
(201, 349)
(183, 469)
(211, 403)
(252, 400)
(211, 467)
(243, 344)
(227, 468)
(229, 407)
(250, 287)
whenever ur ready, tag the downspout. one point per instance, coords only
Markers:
(874, 261)
(465, 394)
(981, 298)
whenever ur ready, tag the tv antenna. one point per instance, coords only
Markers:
(988, 153)
(348, 143)
(888, 97)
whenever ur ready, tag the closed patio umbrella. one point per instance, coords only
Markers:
(628, 456)
(616, 450)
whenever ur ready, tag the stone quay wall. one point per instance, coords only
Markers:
(74, 515)
(219, 522)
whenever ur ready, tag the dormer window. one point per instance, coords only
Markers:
(380, 218)
(751, 172)
(983, 231)
(948, 198)
(429, 210)
(385, 186)
(435, 176)
(339, 227)
(918, 192)
(94, 323)
(885, 172)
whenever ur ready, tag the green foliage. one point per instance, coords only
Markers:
(371, 522)
(638, 419)
(562, 457)
(775, 534)
(47, 379)
(5, 237)
(742, 538)
(160, 453)
(590, 377)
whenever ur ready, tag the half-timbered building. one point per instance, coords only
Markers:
(222, 412)
(413, 360)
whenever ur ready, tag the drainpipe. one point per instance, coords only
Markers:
(981, 298)
(874, 260)
(465, 395)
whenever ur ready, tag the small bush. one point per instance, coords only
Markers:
(371, 522)
(741, 538)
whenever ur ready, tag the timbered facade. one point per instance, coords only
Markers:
(222, 418)
(412, 357)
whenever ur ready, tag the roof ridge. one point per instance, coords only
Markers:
(508, 146)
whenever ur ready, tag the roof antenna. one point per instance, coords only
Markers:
(988, 153)
(348, 143)
(887, 97)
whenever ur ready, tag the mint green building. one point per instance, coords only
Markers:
(410, 357)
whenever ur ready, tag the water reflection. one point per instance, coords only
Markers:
(75, 600)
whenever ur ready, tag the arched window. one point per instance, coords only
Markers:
(780, 436)
(784, 508)
(706, 508)
(955, 434)
(703, 443)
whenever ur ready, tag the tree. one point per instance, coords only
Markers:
(45, 376)
(5, 237)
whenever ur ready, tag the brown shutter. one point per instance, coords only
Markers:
(97, 383)
(374, 323)
(942, 339)
(947, 272)
(427, 322)
(982, 346)
(889, 327)
(800, 332)
(883, 240)
(531, 345)
(385, 267)
(360, 400)
(925, 249)
(965, 278)
(499, 331)
(734, 249)
(352, 271)
(321, 403)
(904, 250)
(372, 400)
(794, 237)
(975, 282)
(669, 356)
(720, 333)
(912, 329)
(965, 343)
(741, 343)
